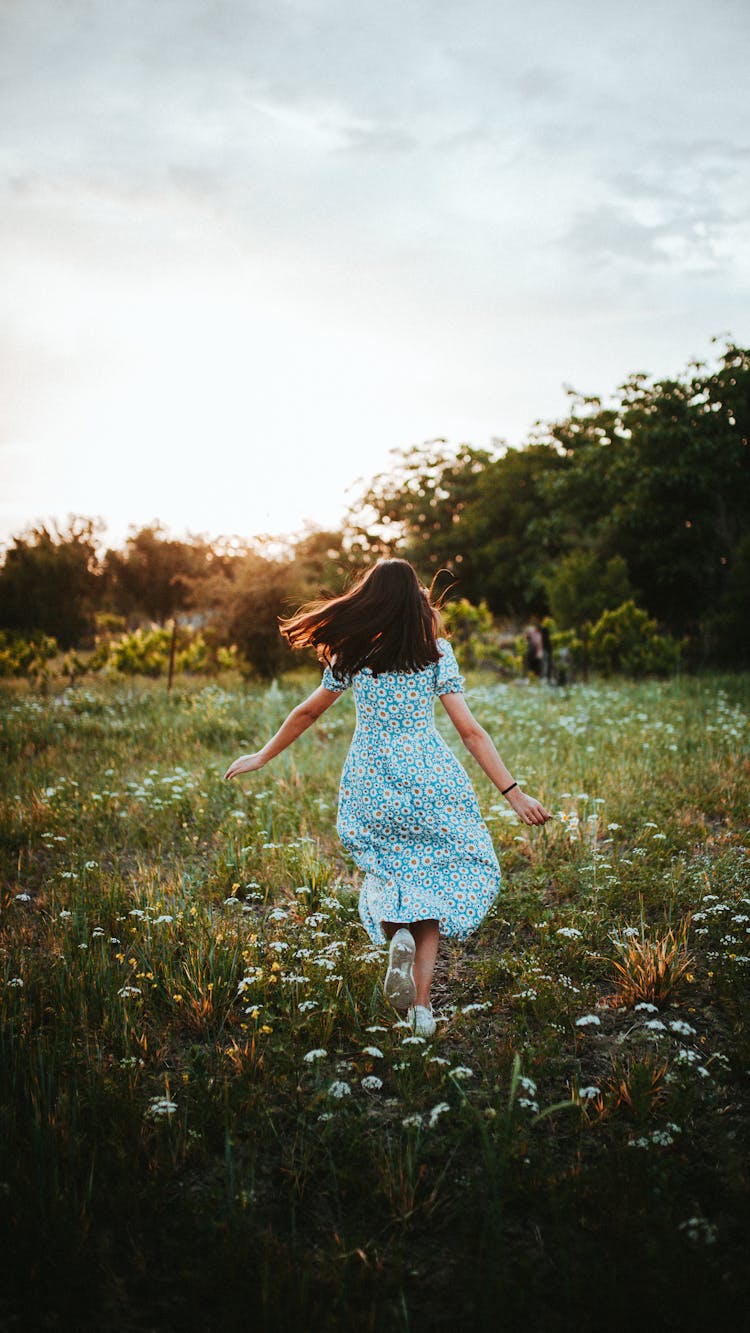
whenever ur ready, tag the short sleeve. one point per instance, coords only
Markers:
(449, 678)
(329, 682)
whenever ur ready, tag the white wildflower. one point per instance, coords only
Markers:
(159, 1107)
(698, 1229)
(461, 1072)
(339, 1089)
(374, 1051)
(528, 1104)
(249, 980)
(588, 1093)
(437, 1111)
(317, 1053)
(588, 1021)
(371, 1083)
(412, 1121)
(570, 932)
(685, 1057)
(682, 1028)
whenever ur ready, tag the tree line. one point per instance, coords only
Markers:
(643, 498)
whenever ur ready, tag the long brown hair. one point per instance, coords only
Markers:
(386, 621)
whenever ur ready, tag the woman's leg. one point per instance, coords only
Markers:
(426, 936)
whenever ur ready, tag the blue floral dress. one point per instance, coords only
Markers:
(407, 811)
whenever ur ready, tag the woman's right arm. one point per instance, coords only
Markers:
(293, 726)
(479, 743)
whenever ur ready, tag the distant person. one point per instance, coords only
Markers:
(534, 650)
(407, 810)
(546, 654)
(563, 665)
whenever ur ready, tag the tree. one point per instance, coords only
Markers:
(51, 581)
(582, 586)
(485, 519)
(662, 479)
(245, 610)
(418, 507)
(158, 576)
(511, 531)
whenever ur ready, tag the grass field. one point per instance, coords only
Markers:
(212, 1118)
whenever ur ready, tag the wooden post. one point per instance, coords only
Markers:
(172, 648)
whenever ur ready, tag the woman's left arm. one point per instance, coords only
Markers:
(298, 721)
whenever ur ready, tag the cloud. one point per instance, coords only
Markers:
(439, 212)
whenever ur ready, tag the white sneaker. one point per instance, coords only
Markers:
(399, 984)
(421, 1020)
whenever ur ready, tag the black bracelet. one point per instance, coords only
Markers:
(510, 788)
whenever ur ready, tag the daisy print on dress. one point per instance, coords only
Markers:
(408, 814)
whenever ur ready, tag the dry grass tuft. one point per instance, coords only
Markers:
(639, 1085)
(652, 970)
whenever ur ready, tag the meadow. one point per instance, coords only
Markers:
(210, 1115)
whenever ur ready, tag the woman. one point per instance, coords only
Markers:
(407, 810)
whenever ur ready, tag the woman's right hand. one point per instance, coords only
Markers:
(247, 763)
(528, 808)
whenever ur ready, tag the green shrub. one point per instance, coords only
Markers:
(475, 639)
(145, 652)
(21, 656)
(582, 586)
(627, 640)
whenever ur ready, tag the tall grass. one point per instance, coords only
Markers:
(211, 1114)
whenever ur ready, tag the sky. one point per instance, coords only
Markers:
(248, 248)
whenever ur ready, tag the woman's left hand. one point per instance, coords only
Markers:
(528, 808)
(247, 763)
